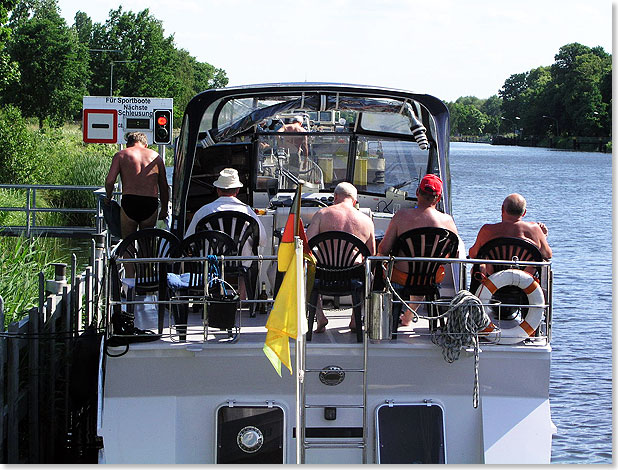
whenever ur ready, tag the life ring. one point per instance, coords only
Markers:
(536, 302)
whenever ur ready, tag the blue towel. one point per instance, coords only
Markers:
(175, 281)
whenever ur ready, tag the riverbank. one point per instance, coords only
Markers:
(584, 144)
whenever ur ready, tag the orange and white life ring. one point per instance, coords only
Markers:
(536, 302)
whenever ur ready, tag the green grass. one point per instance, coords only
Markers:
(21, 260)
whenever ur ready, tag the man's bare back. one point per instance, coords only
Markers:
(512, 225)
(142, 172)
(343, 218)
(139, 169)
(411, 218)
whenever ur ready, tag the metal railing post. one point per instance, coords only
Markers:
(28, 212)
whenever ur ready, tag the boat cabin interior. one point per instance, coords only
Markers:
(383, 141)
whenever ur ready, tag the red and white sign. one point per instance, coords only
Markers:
(100, 126)
(128, 113)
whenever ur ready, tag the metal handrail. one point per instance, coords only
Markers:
(30, 209)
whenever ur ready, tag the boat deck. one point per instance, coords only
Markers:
(252, 331)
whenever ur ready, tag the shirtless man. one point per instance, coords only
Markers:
(512, 225)
(342, 216)
(428, 195)
(142, 172)
(296, 145)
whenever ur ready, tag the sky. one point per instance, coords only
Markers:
(446, 48)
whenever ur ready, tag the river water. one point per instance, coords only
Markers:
(571, 192)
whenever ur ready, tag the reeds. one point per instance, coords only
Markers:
(21, 260)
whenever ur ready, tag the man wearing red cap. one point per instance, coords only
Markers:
(428, 195)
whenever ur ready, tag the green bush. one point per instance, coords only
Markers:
(17, 165)
(12, 198)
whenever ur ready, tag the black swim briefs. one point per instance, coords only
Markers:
(139, 208)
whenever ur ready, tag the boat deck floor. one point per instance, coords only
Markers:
(252, 330)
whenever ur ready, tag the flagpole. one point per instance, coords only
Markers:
(299, 351)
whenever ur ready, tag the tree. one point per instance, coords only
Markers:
(467, 119)
(52, 64)
(8, 69)
(155, 68)
(511, 94)
(83, 28)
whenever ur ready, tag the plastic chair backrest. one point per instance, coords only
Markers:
(202, 244)
(148, 243)
(508, 248)
(238, 225)
(340, 259)
(425, 242)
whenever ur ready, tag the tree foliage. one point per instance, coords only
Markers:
(572, 97)
(55, 65)
(9, 72)
(52, 65)
(146, 63)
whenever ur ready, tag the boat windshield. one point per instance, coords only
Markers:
(379, 162)
(376, 143)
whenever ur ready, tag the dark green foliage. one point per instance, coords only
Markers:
(18, 163)
(151, 64)
(52, 64)
(8, 69)
(572, 97)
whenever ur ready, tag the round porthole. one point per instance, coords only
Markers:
(332, 375)
(250, 439)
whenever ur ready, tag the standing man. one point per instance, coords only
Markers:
(297, 145)
(428, 194)
(342, 216)
(142, 172)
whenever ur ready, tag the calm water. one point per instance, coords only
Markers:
(571, 193)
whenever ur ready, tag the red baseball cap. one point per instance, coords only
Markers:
(431, 184)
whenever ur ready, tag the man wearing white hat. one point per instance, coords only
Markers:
(228, 185)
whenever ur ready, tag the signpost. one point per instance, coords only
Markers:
(107, 119)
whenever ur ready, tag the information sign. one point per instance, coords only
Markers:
(107, 119)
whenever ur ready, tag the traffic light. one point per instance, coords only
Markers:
(162, 126)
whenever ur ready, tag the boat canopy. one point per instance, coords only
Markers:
(375, 138)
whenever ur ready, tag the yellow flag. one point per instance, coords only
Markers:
(282, 321)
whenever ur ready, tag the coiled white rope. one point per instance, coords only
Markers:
(466, 318)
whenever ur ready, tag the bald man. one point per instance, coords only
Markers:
(512, 225)
(342, 216)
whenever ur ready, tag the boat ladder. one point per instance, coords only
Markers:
(331, 375)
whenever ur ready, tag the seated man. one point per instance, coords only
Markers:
(228, 185)
(428, 194)
(512, 225)
(342, 216)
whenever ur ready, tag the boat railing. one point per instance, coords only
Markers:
(179, 300)
(456, 269)
(459, 272)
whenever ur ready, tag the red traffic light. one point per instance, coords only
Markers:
(162, 120)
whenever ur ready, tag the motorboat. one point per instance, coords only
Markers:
(203, 394)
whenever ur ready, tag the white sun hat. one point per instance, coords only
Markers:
(228, 179)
